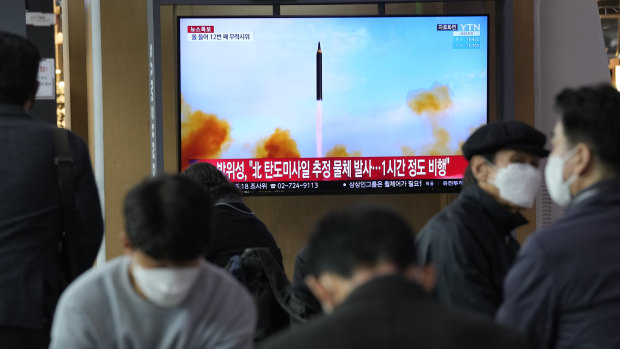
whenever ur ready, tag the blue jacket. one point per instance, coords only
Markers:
(31, 220)
(564, 289)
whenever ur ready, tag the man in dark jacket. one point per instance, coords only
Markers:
(362, 270)
(470, 241)
(564, 288)
(31, 219)
(236, 227)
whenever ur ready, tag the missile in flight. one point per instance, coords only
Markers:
(319, 100)
(319, 73)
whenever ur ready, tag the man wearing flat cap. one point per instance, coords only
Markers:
(470, 242)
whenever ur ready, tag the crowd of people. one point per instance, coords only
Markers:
(365, 279)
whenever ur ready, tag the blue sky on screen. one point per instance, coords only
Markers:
(370, 66)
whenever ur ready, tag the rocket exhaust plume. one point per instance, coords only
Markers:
(319, 129)
(433, 102)
(340, 150)
(203, 136)
(319, 98)
(279, 144)
(407, 150)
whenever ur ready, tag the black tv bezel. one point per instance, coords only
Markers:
(276, 192)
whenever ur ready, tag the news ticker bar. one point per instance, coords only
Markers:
(377, 169)
(345, 187)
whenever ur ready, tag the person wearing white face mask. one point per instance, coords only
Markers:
(163, 294)
(564, 288)
(470, 242)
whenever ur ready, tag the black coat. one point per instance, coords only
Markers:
(471, 245)
(564, 288)
(312, 307)
(390, 312)
(31, 220)
(237, 228)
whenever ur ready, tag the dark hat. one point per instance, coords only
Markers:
(505, 135)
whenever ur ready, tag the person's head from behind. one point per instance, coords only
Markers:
(213, 180)
(19, 66)
(167, 230)
(350, 247)
(585, 142)
(503, 161)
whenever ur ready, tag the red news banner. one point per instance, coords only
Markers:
(342, 169)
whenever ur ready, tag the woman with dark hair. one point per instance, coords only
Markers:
(236, 227)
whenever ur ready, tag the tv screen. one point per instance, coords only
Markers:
(300, 105)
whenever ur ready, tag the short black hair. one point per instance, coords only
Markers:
(212, 180)
(169, 218)
(19, 66)
(363, 236)
(592, 115)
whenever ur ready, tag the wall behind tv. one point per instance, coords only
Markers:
(125, 113)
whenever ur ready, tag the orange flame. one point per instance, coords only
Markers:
(340, 150)
(278, 145)
(432, 101)
(203, 136)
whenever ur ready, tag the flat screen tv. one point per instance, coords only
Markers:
(333, 105)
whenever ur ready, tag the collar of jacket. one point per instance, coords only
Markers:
(385, 287)
(606, 191)
(499, 214)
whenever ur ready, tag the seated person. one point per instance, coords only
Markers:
(236, 226)
(163, 294)
(362, 270)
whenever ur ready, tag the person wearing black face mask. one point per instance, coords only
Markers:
(470, 242)
(564, 288)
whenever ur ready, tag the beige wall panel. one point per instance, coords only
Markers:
(291, 218)
(76, 97)
(125, 107)
(88, 56)
(169, 86)
(524, 82)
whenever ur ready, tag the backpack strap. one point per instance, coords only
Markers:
(64, 169)
(280, 285)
